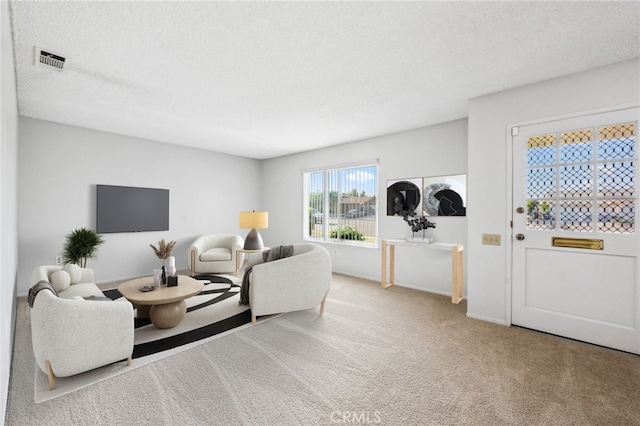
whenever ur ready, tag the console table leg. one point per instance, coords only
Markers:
(383, 281)
(383, 264)
(457, 263)
(392, 266)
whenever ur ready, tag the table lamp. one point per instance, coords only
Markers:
(254, 220)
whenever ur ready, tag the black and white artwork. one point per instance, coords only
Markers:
(427, 196)
(403, 197)
(444, 195)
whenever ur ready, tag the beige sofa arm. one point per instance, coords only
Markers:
(198, 246)
(290, 284)
(79, 335)
(193, 257)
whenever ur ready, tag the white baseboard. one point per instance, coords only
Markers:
(426, 289)
(413, 287)
(487, 319)
(370, 278)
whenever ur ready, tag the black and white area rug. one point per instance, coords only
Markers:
(212, 313)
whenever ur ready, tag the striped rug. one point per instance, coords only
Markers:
(212, 313)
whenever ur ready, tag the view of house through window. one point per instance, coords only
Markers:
(341, 205)
(583, 180)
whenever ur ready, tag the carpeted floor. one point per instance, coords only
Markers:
(378, 356)
(210, 314)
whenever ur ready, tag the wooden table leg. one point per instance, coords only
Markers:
(384, 282)
(168, 315)
(383, 263)
(457, 281)
(392, 265)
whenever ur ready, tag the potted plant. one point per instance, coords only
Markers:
(81, 244)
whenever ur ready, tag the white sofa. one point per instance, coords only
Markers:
(294, 283)
(215, 253)
(70, 334)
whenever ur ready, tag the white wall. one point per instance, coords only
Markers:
(8, 195)
(488, 267)
(59, 167)
(430, 151)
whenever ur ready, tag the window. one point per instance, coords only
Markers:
(583, 180)
(341, 205)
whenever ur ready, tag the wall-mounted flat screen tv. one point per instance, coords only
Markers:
(131, 209)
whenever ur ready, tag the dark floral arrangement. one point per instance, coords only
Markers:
(418, 223)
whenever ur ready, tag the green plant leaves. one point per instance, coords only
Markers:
(80, 245)
(348, 233)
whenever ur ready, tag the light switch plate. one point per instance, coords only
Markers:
(491, 239)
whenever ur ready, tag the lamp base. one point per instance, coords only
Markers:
(253, 241)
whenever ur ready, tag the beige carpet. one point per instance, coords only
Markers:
(394, 356)
(193, 320)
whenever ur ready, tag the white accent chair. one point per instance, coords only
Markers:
(71, 335)
(215, 253)
(294, 283)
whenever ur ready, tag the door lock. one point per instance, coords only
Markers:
(519, 237)
(520, 210)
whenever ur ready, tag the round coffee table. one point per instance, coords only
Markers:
(165, 306)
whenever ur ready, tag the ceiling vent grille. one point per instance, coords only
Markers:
(49, 59)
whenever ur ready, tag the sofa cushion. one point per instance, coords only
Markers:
(74, 272)
(215, 254)
(60, 280)
(81, 289)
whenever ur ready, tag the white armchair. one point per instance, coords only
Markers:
(215, 253)
(301, 281)
(71, 335)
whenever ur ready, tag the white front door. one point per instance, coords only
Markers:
(575, 229)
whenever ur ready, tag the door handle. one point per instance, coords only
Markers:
(519, 237)
(520, 210)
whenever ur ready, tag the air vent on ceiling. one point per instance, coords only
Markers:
(49, 59)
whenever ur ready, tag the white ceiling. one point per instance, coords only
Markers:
(263, 79)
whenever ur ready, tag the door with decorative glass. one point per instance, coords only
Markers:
(575, 237)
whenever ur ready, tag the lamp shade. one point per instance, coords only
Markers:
(254, 220)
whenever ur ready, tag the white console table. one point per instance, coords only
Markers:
(457, 262)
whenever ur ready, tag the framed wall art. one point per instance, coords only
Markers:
(444, 195)
(403, 197)
(427, 196)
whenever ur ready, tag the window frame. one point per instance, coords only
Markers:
(340, 218)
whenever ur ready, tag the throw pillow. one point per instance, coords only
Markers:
(74, 272)
(60, 280)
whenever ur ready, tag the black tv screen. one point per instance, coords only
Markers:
(130, 209)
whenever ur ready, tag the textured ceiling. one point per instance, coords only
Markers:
(263, 79)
